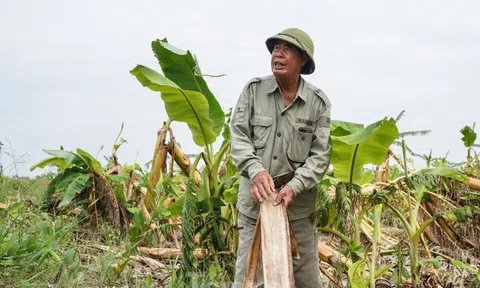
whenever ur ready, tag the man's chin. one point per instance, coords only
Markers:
(279, 73)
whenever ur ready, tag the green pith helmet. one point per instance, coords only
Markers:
(301, 40)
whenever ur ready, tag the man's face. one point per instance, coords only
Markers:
(287, 60)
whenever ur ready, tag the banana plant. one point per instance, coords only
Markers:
(188, 99)
(356, 273)
(355, 146)
(341, 153)
(81, 172)
(375, 239)
(74, 174)
(469, 137)
(410, 223)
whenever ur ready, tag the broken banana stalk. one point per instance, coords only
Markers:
(159, 166)
(143, 193)
(168, 253)
(293, 241)
(474, 184)
(159, 163)
(253, 259)
(183, 161)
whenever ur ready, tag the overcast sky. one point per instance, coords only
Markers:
(64, 66)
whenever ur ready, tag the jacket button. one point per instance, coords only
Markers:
(275, 157)
(279, 134)
(303, 137)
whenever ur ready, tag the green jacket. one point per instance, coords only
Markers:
(267, 136)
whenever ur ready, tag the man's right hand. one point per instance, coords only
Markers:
(262, 187)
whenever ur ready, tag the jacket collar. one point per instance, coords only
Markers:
(301, 91)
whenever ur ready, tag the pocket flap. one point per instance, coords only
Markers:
(241, 107)
(262, 121)
(300, 143)
(303, 130)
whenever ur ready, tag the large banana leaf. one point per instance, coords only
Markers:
(355, 275)
(373, 142)
(69, 157)
(92, 162)
(54, 161)
(341, 128)
(182, 105)
(72, 182)
(62, 159)
(445, 172)
(182, 68)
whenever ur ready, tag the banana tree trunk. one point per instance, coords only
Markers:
(168, 253)
(450, 231)
(183, 161)
(332, 257)
(159, 166)
(397, 158)
(143, 192)
(474, 184)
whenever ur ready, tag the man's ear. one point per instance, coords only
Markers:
(305, 59)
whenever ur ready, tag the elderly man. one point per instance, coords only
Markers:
(282, 123)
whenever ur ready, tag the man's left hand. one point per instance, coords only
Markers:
(286, 194)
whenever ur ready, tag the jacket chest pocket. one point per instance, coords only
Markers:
(300, 143)
(261, 126)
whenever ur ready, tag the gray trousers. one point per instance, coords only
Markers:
(306, 271)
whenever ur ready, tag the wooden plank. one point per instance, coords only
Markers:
(276, 246)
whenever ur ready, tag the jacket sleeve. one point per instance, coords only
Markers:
(248, 163)
(316, 165)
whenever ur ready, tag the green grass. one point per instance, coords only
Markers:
(38, 249)
(14, 189)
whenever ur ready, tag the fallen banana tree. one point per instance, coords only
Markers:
(403, 196)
